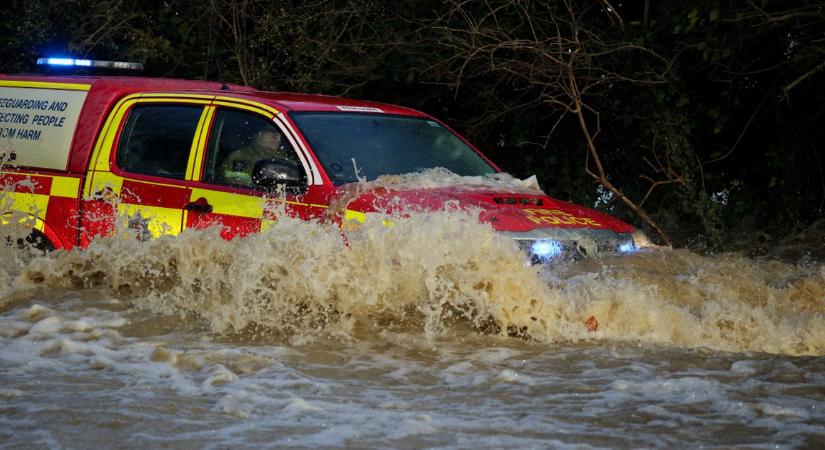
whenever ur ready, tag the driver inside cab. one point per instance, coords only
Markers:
(237, 167)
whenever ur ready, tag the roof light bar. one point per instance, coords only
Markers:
(90, 63)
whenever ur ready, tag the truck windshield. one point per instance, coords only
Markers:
(352, 146)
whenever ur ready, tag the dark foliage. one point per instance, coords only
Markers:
(707, 116)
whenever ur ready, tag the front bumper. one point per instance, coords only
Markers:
(551, 245)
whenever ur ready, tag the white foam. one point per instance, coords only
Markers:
(420, 424)
(772, 409)
(743, 368)
(442, 178)
(51, 324)
(683, 389)
(12, 393)
(511, 376)
(219, 375)
(299, 406)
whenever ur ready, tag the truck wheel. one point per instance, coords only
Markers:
(36, 242)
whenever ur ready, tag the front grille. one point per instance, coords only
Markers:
(562, 251)
(565, 245)
(519, 200)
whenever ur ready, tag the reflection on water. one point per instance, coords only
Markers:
(404, 337)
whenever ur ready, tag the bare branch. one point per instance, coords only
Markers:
(787, 89)
(742, 134)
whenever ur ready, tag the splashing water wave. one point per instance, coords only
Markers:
(439, 273)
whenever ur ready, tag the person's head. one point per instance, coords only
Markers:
(268, 137)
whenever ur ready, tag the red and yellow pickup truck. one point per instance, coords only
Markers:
(79, 153)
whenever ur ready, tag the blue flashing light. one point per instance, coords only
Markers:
(546, 249)
(59, 62)
(627, 247)
(89, 63)
(65, 62)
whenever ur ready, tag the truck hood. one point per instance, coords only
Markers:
(507, 210)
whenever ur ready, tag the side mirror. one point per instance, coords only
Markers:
(273, 174)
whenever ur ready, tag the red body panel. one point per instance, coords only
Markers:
(504, 211)
(154, 195)
(27, 184)
(98, 220)
(62, 218)
(287, 101)
(231, 226)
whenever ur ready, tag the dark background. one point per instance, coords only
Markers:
(701, 119)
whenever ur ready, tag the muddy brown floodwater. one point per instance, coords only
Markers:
(432, 333)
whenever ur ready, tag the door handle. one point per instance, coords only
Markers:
(200, 205)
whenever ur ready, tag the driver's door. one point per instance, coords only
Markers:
(224, 194)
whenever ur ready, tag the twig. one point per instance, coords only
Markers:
(742, 134)
(794, 83)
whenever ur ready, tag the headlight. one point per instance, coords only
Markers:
(546, 249)
(638, 241)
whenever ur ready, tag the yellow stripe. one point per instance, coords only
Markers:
(107, 130)
(173, 99)
(272, 201)
(160, 221)
(154, 183)
(39, 225)
(103, 180)
(46, 85)
(64, 187)
(34, 204)
(26, 220)
(231, 204)
(190, 164)
(255, 109)
(260, 105)
(267, 224)
(196, 175)
(355, 215)
(175, 95)
(355, 218)
(104, 145)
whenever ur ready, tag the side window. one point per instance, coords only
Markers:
(238, 142)
(156, 140)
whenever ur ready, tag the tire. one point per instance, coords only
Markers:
(36, 242)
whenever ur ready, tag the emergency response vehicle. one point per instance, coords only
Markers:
(81, 152)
